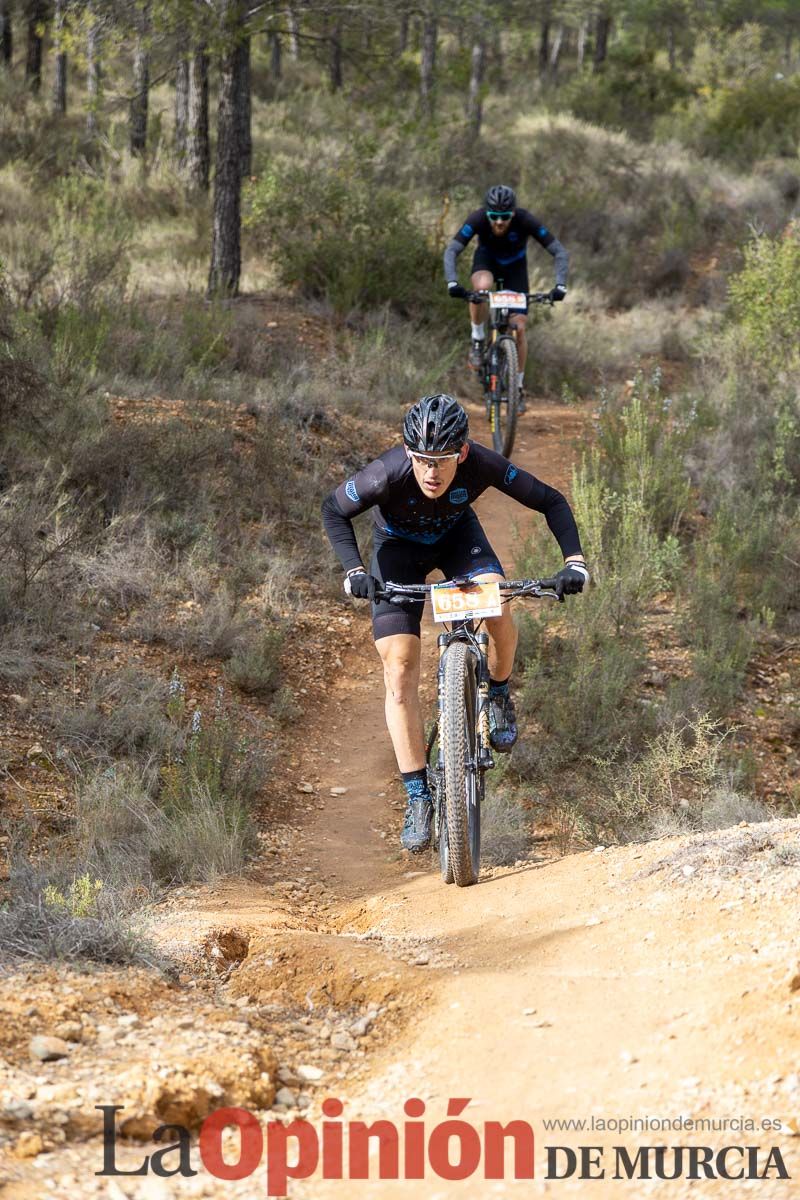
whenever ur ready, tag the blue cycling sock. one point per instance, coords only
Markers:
(498, 687)
(416, 784)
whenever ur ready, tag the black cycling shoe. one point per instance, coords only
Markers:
(416, 835)
(502, 722)
(476, 353)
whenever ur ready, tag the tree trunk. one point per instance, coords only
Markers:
(293, 25)
(226, 248)
(141, 84)
(198, 153)
(555, 49)
(544, 44)
(427, 70)
(475, 100)
(244, 106)
(60, 73)
(181, 106)
(601, 39)
(6, 33)
(335, 57)
(93, 71)
(498, 56)
(275, 53)
(402, 37)
(581, 44)
(37, 14)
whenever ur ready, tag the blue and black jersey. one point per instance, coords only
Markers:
(512, 245)
(403, 511)
(505, 255)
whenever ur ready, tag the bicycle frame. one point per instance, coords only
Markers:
(479, 759)
(501, 389)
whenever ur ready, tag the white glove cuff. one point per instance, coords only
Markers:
(576, 566)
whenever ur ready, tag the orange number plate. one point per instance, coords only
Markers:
(463, 604)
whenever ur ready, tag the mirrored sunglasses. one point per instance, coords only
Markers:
(427, 460)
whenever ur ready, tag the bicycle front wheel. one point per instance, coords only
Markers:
(505, 399)
(458, 730)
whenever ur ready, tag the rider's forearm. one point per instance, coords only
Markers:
(451, 253)
(341, 534)
(561, 524)
(562, 261)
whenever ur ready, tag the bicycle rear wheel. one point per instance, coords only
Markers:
(458, 730)
(505, 397)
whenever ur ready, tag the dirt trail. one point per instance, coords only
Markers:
(568, 988)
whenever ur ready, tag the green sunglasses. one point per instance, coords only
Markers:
(499, 216)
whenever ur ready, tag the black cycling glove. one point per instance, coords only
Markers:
(361, 585)
(570, 579)
(558, 293)
(457, 292)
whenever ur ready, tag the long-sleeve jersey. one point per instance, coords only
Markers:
(401, 509)
(510, 247)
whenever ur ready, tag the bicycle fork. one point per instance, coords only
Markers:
(481, 640)
(485, 760)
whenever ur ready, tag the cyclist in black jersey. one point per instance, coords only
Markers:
(502, 230)
(421, 494)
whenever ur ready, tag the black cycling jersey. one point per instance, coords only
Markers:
(402, 510)
(511, 245)
(508, 249)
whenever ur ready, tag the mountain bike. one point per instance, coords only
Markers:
(458, 750)
(500, 378)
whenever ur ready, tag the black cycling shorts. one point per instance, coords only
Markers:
(514, 275)
(464, 550)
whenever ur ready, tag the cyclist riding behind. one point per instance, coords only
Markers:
(502, 230)
(421, 494)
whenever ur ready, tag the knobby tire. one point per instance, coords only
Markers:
(458, 730)
(441, 846)
(505, 399)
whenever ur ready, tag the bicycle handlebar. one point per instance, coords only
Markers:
(531, 297)
(395, 592)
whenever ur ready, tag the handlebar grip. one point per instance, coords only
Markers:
(548, 583)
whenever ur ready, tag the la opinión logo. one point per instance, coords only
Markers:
(453, 1149)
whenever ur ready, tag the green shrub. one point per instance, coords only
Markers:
(180, 806)
(765, 298)
(666, 789)
(629, 93)
(643, 438)
(255, 665)
(505, 829)
(80, 259)
(746, 119)
(120, 715)
(36, 926)
(344, 238)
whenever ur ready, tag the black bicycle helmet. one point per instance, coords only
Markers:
(500, 198)
(435, 424)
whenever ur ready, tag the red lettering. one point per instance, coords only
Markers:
(252, 1143)
(388, 1149)
(332, 1139)
(278, 1170)
(494, 1136)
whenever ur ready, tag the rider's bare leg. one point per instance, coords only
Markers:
(519, 322)
(481, 281)
(502, 638)
(400, 655)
